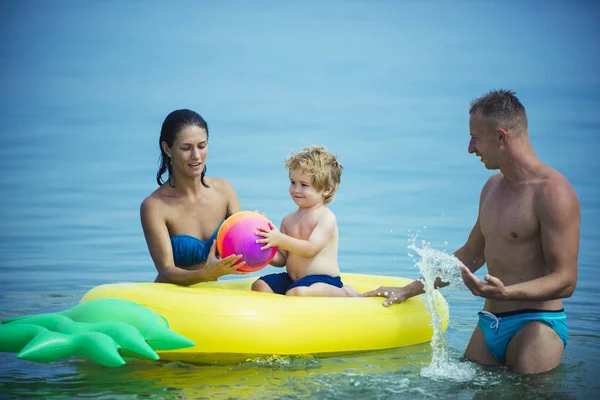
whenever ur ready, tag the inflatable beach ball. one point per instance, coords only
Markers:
(237, 235)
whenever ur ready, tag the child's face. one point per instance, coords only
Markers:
(302, 190)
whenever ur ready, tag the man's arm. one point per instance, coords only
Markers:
(471, 254)
(559, 215)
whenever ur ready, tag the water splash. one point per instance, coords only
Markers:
(435, 264)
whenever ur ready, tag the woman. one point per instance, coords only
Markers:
(182, 217)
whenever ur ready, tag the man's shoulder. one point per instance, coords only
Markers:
(495, 178)
(555, 193)
(492, 182)
(555, 183)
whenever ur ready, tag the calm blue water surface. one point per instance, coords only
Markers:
(385, 85)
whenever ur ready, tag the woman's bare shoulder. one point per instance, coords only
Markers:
(155, 201)
(220, 184)
(223, 187)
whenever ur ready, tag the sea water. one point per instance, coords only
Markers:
(435, 264)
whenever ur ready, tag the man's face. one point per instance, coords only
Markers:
(483, 141)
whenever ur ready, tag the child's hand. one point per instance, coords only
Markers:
(272, 236)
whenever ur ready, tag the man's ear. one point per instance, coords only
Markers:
(328, 191)
(502, 135)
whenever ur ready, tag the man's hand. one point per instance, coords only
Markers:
(492, 288)
(392, 294)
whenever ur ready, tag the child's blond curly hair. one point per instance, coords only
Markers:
(324, 167)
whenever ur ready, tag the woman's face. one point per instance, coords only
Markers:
(189, 151)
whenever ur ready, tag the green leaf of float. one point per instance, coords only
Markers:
(127, 337)
(52, 346)
(152, 326)
(103, 330)
(14, 337)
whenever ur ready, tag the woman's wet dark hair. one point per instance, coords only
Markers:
(175, 122)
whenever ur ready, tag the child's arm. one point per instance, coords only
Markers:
(281, 256)
(304, 248)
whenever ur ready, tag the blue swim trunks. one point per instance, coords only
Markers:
(281, 282)
(498, 329)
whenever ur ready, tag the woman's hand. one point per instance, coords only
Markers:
(216, 267)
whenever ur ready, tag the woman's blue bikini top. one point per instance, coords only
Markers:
(189, 250)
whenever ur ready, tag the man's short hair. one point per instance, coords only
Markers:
(501, 108)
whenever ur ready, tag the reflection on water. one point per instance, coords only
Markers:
(373, 375)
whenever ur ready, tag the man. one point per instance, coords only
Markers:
(527, 232)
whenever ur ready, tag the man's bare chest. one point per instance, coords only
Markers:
(509, 214)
